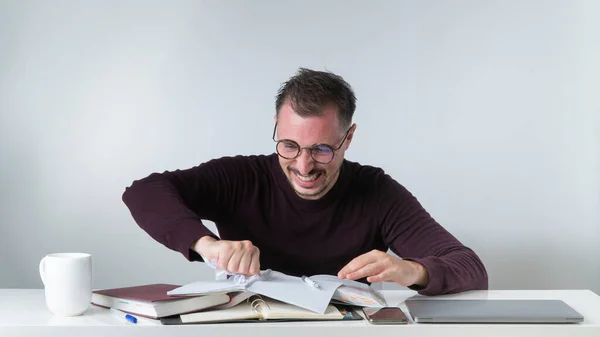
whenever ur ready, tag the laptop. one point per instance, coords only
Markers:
(491, 311)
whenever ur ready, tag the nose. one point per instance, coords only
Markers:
(304, 162)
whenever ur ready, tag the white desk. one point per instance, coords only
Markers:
(23, 313)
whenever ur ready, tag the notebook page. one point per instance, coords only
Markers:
(272, 309)
(239, 312)
(235, 283)
(207, 287)
(292, 290)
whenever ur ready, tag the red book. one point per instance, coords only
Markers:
(152, 301)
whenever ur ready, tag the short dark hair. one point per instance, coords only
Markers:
(309, 91)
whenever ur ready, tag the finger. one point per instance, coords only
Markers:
(358, 263)
(255, 262)
(234, 262)
(224, 254)
(352, 266)
(249, 259)
(383, 276)
(242, 257)
(366, 271)
(245, 262)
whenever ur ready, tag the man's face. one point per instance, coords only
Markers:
(310, 179)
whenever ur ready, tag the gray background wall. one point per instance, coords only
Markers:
(488, 111)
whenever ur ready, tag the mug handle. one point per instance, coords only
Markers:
(43, 269)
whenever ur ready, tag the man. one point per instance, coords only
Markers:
(305, 210)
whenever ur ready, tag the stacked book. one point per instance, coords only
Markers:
(152, 301)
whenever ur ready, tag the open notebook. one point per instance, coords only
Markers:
(292, 290)
(261, 309)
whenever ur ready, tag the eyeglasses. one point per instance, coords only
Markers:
(321, 153)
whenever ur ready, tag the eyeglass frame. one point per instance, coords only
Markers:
(309, 148)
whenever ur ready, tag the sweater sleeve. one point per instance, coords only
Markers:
(411, 233)
(170, 206)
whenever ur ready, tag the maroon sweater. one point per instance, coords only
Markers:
(250, 198)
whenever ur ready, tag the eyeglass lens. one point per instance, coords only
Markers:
(290, 150)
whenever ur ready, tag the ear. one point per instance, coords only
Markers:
(275, 118)
(350, 136)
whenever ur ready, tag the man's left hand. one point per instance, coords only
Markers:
(378, 266)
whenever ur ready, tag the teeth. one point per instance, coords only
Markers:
(307, 178)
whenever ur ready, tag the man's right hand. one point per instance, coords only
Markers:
(240, 257)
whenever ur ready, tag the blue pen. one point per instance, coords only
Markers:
(125, 316)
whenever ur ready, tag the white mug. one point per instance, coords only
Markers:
(67, 279)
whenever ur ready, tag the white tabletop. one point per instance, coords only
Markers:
(23, 313)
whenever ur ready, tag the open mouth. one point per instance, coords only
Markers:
(308, 180)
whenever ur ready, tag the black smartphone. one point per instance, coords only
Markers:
(385, 315)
